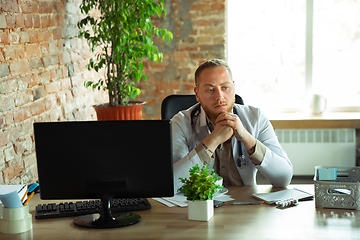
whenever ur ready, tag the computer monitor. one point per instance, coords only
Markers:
(104, 160)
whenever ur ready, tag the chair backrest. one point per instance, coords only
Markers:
(172, 104)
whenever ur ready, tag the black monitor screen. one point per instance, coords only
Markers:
(77, 160)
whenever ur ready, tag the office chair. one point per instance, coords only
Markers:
(172, 104)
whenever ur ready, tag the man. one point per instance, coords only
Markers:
(236, 140)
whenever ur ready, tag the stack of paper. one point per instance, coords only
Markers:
(180, 200)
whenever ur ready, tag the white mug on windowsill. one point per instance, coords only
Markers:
(318, 104)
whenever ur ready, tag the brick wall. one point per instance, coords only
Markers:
(42, 70)
(43, 67)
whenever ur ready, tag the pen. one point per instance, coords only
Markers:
(24, 195)
(247, 203)
(21, 188)
(27, 200)
(33, 186)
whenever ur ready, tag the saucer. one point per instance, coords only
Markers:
(221, 192)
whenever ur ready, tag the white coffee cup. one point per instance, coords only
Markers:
(219, 182)
(318, 104)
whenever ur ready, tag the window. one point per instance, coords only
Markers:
(283, 51)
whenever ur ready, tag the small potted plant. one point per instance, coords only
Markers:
(199, 189)
(123, 32)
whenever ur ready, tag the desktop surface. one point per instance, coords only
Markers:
(229, 222)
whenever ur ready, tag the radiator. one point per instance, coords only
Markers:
(307, 148)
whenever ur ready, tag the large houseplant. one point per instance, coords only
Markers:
(199, 189)
(124, 31)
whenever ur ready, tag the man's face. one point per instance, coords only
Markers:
(215, 92)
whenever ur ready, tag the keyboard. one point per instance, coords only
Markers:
(69, 209)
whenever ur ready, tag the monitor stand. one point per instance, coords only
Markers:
(106, 191)
(105, 219)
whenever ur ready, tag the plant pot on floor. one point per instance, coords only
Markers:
(133, 111)
(200, 210)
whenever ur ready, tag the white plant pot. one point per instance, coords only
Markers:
(200, 210)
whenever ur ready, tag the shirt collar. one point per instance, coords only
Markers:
(210, 125)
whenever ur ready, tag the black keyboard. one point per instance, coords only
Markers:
(69, 209)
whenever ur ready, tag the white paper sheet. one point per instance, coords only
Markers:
(224, 198)
(164, 202)
(180, 199)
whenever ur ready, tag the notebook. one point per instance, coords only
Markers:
(273, 197)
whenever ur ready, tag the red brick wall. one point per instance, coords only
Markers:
(42, 70)
(199, 34)
(43, 67)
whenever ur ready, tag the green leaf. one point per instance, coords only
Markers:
(170, 36)
(201, 183)
(87, 84)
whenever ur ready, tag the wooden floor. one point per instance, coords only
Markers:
(261, 180)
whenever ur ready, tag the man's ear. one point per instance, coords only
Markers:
(196, 94)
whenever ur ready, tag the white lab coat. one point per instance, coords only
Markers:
(276, 166)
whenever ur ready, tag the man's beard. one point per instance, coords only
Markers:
(213, 115)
